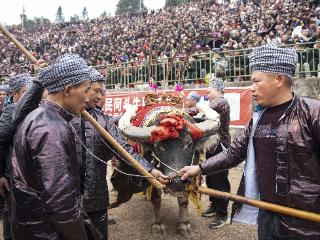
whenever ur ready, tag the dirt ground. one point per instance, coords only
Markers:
(134, 219)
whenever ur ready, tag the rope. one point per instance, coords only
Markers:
(171, 168)
(119, 156)
(102, 161)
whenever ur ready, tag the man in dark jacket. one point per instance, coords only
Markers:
(218, 208)
(3, 94)
(91, 149)
(219, 181)
(281, 148)
(45, 186)
(17, 87)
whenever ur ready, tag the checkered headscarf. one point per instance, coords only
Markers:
(69, 69)
(95, 76)
(4, 88)
(194, 96)
(271, 59)
(18, 81)
(217, 83)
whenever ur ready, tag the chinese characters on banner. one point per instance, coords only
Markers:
(240, 101)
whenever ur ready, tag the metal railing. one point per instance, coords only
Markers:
(201, 67)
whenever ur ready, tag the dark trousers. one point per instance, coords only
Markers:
(219, 181)
(100, 220)
(2, 203)
(268, 225)
(6, 223)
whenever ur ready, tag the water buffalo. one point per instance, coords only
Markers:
(171, 139)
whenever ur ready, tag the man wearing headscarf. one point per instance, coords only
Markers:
(192, 99)
(16, 88)
(45, 187)
(18, 85)
(102, 102)
(281, 149)
(93, 152)
(219, 181)
(218, 208)
(3, 94)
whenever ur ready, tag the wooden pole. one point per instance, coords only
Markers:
(100, 129)
(259, 204)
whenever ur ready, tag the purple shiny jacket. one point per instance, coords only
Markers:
(297, 165)
(45, 178)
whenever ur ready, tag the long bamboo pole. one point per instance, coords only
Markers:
(101, 130)
(259, 204)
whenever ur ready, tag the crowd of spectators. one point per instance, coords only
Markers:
(132, 38)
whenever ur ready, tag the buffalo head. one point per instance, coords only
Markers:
(182, 146)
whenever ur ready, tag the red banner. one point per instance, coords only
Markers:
(240, 101)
